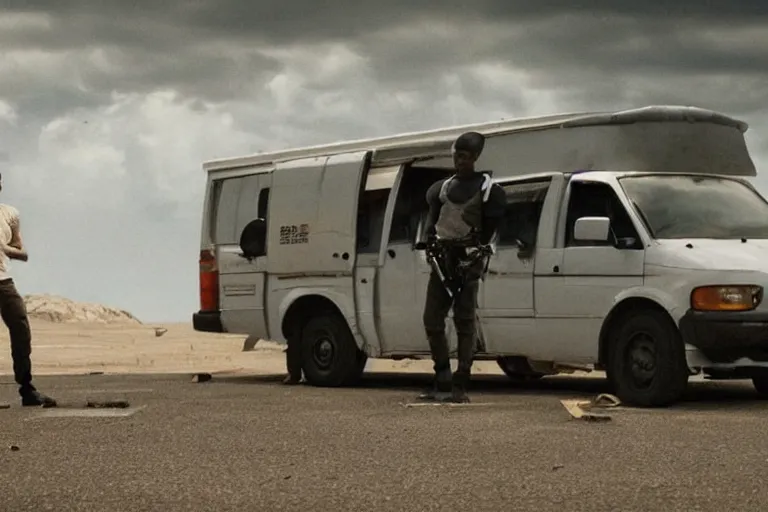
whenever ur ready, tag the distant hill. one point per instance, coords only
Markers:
(53, 308)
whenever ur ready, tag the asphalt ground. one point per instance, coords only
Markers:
(247, 443)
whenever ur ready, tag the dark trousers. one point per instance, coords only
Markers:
(14, 315)
(436, 309)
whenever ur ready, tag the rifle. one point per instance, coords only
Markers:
(435, 254)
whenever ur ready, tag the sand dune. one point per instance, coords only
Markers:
(58, 309)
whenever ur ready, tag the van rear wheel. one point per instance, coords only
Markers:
(330, 357)
(647, 365)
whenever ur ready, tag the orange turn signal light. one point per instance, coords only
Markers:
(726, 298)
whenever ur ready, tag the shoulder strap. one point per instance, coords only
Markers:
(486, 186)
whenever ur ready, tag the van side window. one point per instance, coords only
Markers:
(597, 200)
(523, 214)
(370, 220)
(225, 216)
(263, 203)
(238, 201)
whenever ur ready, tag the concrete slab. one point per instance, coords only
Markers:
(87, 412)
(449, 404)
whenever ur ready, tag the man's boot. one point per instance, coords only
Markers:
(291, 380)
(441, 385)
(459, 388)
(32, 397)
(467, 341)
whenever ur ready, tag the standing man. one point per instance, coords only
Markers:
(13, 310)
(464, 213)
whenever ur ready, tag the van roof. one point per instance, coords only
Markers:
(654, 113)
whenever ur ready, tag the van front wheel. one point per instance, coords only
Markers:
(647, 363)
(330, 357)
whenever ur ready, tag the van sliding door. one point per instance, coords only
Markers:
(314, 215)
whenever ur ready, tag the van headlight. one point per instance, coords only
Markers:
(726, 298)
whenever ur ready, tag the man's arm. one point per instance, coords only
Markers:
(493, 213)
(433, 201)
(15, 249)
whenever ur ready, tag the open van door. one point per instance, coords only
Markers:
(313, 213)
(241, 202)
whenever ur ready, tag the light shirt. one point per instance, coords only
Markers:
(9, 220)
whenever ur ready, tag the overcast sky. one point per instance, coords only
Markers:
(108, 108)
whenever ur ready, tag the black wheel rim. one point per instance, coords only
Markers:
(640, 358)
(323, 350)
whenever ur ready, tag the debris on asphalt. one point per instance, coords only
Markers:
(201, 377)
(250, 343)
(582, 409)
(107, 404)
(14, 448)
(605, 400)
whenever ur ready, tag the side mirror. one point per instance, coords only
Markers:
(592, 229)
(253, 239)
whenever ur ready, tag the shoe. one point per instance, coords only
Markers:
(459, 395)
(435, 394)
(440, 389)
(290, 380)
(35, 398)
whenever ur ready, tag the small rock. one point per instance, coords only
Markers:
(557, 466)
(5, 406)
(159, 331)
(14, 448)
(201, 377)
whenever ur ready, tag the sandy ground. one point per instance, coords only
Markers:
(69, 349)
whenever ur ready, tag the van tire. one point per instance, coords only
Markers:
(329, 353)
(647, 366)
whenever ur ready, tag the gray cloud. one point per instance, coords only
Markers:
(189, 45)
(108, 108)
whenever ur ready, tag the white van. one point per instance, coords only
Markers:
(633, 243)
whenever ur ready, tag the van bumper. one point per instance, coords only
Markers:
(207, 321)
(724, 337)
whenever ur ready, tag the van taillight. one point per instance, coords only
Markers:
(209, 281)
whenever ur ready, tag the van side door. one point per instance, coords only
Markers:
(237, 201)
(401, 284)
(507, 292)
(575, 292)
(313, 230)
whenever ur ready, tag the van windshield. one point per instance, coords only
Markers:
(675, 207)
